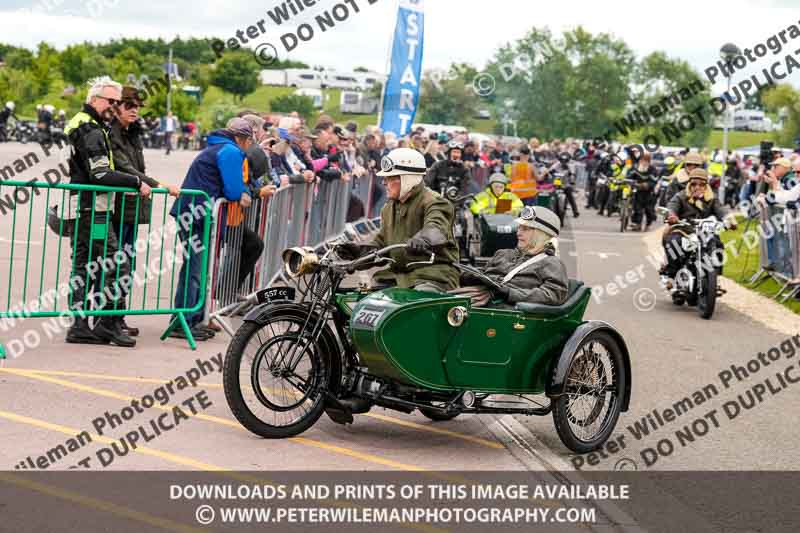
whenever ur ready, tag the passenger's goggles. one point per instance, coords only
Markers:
(528, 214)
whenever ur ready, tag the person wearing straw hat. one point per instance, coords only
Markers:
(530, 273)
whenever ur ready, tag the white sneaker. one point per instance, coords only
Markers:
(667, 283)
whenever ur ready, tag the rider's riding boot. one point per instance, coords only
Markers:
(110, 329)
(81, 333)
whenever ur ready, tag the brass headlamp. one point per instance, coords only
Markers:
(300, 261)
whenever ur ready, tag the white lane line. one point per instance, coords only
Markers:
(536, 456)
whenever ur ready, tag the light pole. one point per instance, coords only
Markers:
(728, 52)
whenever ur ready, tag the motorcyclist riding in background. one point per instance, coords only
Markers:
(644, 174)
(452, 167)
(5, 114)
(565, 168)
(692, 161)
(695, 202)
(485, 202)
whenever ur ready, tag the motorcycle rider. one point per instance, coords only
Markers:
(530, 273)
(697, 201)
(417, 216)
(485, 202)
(692, 161)
(453, 166)
(566, 168)
(8, 111)
(45, 124)
(644, 174)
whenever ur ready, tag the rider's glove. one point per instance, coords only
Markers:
(419, 245)
(426, 240)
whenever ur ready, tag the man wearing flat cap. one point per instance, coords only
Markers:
(128, 155)
(530, 273)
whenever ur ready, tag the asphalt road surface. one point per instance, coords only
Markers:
(53, 392)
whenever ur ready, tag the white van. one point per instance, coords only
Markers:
(344, 81)
(303, 78)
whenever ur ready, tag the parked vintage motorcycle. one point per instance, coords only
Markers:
(696, 283)
(343, 350)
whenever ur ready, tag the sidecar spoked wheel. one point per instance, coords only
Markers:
(268, 395)
(586, 414)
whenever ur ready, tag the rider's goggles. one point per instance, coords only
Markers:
(388, 165)
(528, 214)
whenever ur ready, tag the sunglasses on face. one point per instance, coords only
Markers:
(131, 105)
(111, 101)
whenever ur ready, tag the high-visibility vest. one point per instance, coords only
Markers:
(486, 202)
(523, 180)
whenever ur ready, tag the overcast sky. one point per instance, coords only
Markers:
(455, 30)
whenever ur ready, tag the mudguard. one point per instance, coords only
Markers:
(331, 349)
(558, 373)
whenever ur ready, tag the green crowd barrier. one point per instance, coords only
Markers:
(43, 216)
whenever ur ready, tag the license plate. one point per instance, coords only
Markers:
(457, 230)
(272, 294)
(505, 229)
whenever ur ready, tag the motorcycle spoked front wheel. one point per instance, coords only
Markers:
(275, 378)
(587, 412)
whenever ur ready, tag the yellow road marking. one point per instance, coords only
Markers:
(384, 418)
(177, 459)
(94, 503)
(223, 421)
(110, 378)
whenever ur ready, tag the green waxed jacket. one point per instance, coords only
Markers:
(402, 220)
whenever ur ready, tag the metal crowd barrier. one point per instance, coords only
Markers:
(42, 240)
(779, 249)
(296, 215)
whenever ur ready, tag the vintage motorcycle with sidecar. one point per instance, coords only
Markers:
(320, 347)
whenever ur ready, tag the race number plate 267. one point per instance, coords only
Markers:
(367, 318)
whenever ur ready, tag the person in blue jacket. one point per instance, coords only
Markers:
(217, 170)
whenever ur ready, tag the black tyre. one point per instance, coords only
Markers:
(284, 374)
(587, 412)
(707, 298)
(436, 416)
(624, 217)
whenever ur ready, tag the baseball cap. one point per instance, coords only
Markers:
(240, 127)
